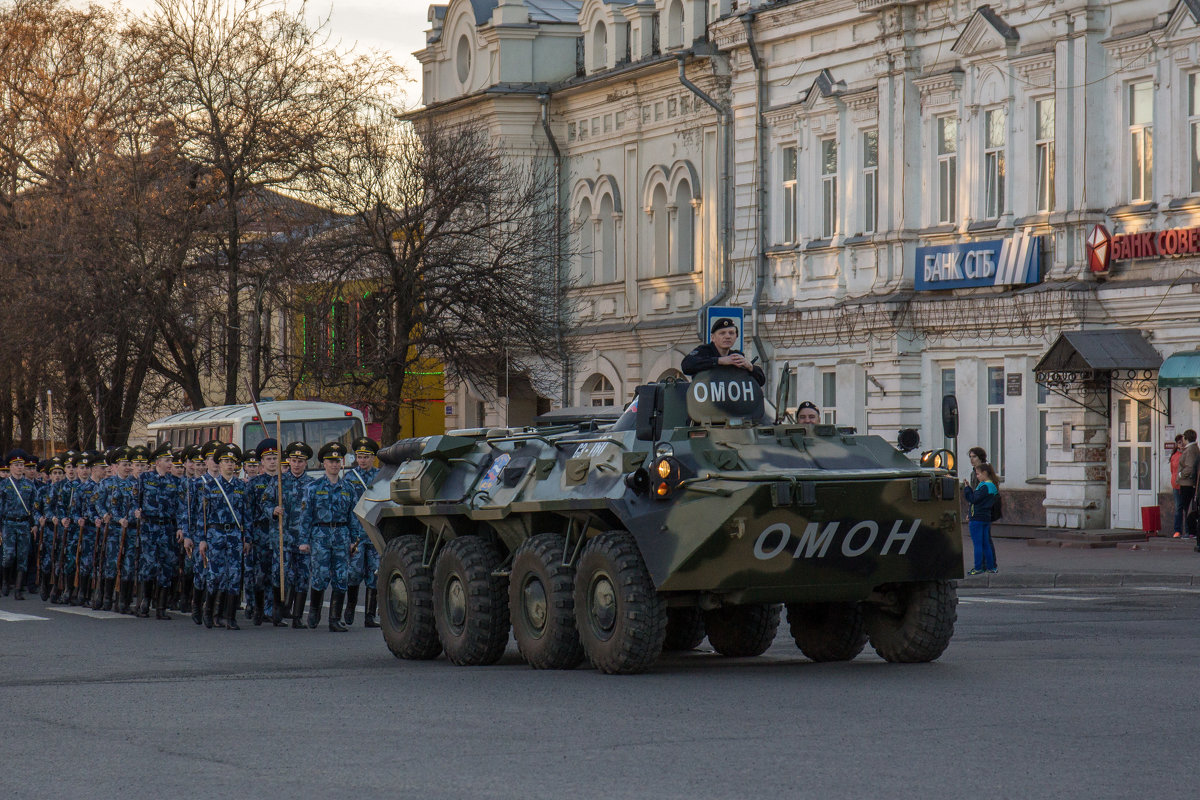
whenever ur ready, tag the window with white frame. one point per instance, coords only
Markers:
(870, 181)
(948, 378)
(1194, 128)
(947, 168)
(995, 412)
(600, 391)
(829, 397)
(587, 243)
(1141, 141)
(829, 187)
(1043, 397)
(994, 123)
(788, 192)
(1043, 146)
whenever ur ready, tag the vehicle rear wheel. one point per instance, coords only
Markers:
(915, 623)
(741, 631)
(541, 603)
(406, 604)
(620, 616)
(470, 604)
(827, 631)
(685, 629)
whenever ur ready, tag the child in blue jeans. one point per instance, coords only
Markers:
(981, 499)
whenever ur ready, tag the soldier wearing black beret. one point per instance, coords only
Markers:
(720, 351)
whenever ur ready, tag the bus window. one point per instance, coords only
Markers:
(225, 433)
(252, 434)
(319, 432)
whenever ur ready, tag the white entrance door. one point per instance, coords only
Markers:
(1134, 468)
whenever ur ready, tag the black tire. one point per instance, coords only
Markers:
(742, 631)
(541, 603)
(406, 601)
(685, 629)
(918, 626)
(827, 631)
(470, 604)
(621, 618)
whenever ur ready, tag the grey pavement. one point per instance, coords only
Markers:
(1026, 560)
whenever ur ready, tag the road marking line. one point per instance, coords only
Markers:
(1072, 597)
(87, 612)
(1180, 589)
(12, 616)
(1008, 601)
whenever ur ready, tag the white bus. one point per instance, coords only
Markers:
(300, 420)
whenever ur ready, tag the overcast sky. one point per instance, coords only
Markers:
(393, 26)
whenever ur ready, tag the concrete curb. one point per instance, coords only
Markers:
(1051, 580)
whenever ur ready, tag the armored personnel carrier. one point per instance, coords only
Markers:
(694, 515)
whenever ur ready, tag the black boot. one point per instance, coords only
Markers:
(20, 592)
(45, 586)
(298, 610)
(280, 607)
(210, 602)
(259, 600)
(197, 604)
(231, 604)
(106, 595)
(185, 595)
(316, 604)
(144, 606)
(160, 610)
(351, 602)
(126, 595)
(219, 614)
(5, 586)
(335, 612)
(369, 619)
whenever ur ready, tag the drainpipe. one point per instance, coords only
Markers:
(724, 191)
(544, 101)
(760, 150)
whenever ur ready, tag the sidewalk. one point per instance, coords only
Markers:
(1026, 561)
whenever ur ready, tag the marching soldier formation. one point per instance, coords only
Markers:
(206, 531)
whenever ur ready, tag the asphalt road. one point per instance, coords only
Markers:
(1042, 693)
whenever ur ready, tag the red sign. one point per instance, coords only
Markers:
(1104, 248)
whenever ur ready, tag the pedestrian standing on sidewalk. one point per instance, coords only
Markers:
(1176, 455)
(977, 456)
(1188, 463)
(981, 498)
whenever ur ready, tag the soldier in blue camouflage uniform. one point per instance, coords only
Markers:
(331, 529)
(223, 502)
(206, 472)
(87, 522)
(119, 496)
(296, 549)
(69, 530)
(261, 498)
(17, 497)
(364, 564)
(158, 504)
(48, 523)
(181, 590)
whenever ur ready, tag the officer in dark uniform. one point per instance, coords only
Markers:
(720, 352)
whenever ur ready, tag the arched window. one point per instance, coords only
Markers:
(685, 225)
(660, 220)
(608, 240)
(599, 46)
(587, 243)
(599, 391)
(675, 24)
(669, 373)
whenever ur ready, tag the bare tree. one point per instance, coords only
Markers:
(450, 244)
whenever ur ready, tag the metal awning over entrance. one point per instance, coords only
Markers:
(1085, 367)
(1180, 371)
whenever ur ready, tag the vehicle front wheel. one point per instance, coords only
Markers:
(541, 602)
(620, 616)
(406, 602)
(914, 623)
(827, 631)
(470, 604)
(742, 631)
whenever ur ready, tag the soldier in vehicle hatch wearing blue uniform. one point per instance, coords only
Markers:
(364, 563)
(296, 549)
(158, 505)
(332, 530)
(17, 498)
(223, 500)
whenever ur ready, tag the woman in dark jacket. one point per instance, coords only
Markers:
(982, 498)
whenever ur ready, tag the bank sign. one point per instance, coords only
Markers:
(1005, 262)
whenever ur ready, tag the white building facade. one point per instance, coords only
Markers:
(907, 198)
